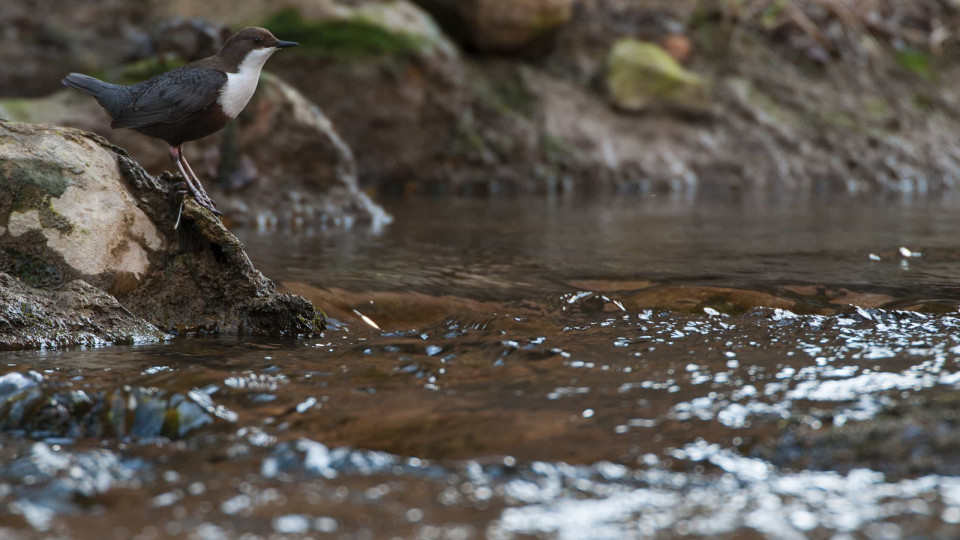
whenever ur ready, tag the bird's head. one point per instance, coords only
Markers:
(252, 44)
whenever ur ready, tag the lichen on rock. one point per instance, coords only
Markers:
(61, 200)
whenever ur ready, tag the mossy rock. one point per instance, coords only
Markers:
(641, 74)
(18, 110)
(363, 32)
(52, 178)
(518, 26)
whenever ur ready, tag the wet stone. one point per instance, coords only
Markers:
(34, 410)
(908, 440)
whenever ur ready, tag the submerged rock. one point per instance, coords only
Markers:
(906, 440)
(34, 410)
(75, 207)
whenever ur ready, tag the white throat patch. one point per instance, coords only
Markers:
(240, 85)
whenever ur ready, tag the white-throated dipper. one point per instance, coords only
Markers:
(189, 102)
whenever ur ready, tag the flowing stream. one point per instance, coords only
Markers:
(535, 368)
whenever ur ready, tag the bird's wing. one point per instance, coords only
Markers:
(170, 97)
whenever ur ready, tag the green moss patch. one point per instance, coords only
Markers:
(18, 110)
(31, 269)
(348, 38)
(916, 61)
(46, 177)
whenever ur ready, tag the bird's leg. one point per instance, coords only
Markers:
(175, 155)
(181, 188)
(198, 183)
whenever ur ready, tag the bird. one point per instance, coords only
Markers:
(191, 101)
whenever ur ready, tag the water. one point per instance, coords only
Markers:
(531, 369)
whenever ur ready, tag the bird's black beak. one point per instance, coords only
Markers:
(285, 44)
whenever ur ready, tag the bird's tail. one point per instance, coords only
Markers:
(110, 96)
(88, 85)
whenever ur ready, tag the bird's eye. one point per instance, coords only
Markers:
(257, 40)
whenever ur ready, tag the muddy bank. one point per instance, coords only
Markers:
(78, 208)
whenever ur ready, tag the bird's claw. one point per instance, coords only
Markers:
(183, 189)
(205, 201)
(208, 204)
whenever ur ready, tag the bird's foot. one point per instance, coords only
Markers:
(182, 189)
(205, 201)
(209, 205)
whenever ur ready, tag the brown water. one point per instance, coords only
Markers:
(526, 369)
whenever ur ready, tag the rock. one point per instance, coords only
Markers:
(284, 161)
(190, 39)
(679, 46)
(343, 28)
(35, 408)
(210, 284)
(77, 314)
(338, 28)
(641, 74)
(42, 41)
(62, 203)
(499, 25)
(75, 207)
(305, 172)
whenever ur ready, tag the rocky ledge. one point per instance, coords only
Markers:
(89, 253)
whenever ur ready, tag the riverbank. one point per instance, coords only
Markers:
(780, 99)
